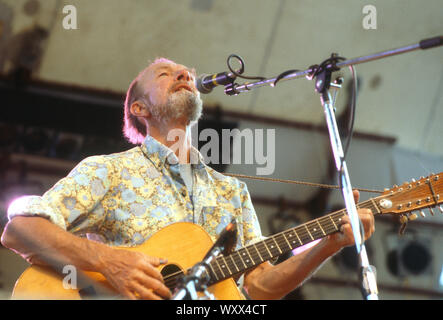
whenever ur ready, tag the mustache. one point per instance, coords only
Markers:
(179, 85)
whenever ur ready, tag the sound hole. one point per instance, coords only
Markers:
(171, 273)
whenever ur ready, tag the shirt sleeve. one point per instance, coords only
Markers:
(74, 202)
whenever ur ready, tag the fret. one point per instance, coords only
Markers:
(375, 206)
(293, 245)
(309, 232)
(324, 233)
(250, 258)
(241, 259)
(301, 242)
(259, 255)
(313, 230)
(280, 238)
(271, 247)
(213, 271)
(235, 265)
(278, 247)
(333, 222)
(284, 237)
(260, 245)
(226, 264)
(220, 268)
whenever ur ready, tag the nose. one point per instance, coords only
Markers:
(183, 75)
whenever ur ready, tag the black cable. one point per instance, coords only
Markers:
(239, 72)
(349, 138)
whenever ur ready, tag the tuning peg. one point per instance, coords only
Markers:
(403, 219)
(412, 217)
(402, 229)
(422, 213)
(431, 211)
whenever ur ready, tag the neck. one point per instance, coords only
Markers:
(176, 136)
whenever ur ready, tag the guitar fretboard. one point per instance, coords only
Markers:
(239, 261)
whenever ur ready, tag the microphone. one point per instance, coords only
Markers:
(226, 240)
(205, 83)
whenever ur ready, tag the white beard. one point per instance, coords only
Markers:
(180, 104)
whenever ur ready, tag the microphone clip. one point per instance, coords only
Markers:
(231, 89)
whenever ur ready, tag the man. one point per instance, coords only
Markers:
(126, 197)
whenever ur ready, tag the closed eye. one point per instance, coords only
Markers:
(162, 74)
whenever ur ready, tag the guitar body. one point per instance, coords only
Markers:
(183, 244)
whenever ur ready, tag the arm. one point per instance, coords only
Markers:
(274, 282)
(43, 243)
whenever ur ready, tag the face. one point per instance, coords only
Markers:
(171, 93)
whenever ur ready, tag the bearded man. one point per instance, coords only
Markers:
(125, 198)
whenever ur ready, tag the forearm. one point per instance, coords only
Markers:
(274, 282)
(41, 242)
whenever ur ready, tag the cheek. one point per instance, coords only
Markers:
(158, 96)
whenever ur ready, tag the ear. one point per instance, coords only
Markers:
(138, 109)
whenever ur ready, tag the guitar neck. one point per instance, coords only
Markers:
(239, 261)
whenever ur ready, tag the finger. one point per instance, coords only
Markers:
(143, 292)
(129, 294)
(156, 261)
(151, 271)
(155, 285)
(356, 194)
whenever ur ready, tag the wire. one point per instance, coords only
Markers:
(352, 109)
(239, 72)
(349, 138)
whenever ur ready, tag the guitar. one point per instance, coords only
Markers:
(184, 244)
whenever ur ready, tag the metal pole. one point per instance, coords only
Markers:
(424, 44)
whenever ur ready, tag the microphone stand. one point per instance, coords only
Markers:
(322, 84)
(198, 277)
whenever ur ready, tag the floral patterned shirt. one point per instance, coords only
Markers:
(127, 197)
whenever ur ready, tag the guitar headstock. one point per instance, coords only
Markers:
(403, 200)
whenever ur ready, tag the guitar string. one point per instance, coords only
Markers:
(171, 278)
(283, 243)
(329, 228)
(279, 239)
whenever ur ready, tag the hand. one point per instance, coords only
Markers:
(345, 237)
(134, 275)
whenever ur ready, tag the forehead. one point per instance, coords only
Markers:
(167, 66)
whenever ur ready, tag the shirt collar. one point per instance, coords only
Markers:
(158, 153)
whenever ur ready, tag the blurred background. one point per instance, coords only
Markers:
(62, 91)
